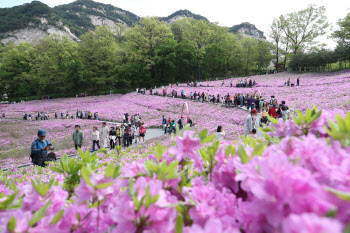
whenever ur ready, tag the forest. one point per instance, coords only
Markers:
(154, 53)
(149, 54)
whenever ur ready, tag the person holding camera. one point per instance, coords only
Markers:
(40, 148)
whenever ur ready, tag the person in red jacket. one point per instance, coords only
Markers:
(273, 109)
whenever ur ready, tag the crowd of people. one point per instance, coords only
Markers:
(169, 126)
(47, 116)
(124, 135)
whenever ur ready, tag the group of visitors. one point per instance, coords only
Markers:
(118, 135)
(47, 116)
(169, 126)
(141, 91)
(245, 83)
(37, 116)
(274, 110)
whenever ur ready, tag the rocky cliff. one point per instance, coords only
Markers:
(33, 21)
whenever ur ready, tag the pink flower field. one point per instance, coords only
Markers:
(296, 179)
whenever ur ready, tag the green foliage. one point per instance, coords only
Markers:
(149, 54)
(214, 61)
(340, 130)
(304, 121)
(19, 17)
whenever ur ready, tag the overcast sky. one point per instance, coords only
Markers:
(225, 12)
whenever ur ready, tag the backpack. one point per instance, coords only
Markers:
(164, 121)
(142, 130)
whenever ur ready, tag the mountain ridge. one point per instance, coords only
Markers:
(32, 21)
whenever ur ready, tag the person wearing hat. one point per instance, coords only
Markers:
(78, 137)
(105, 131)
(39, 149)
(263, 119)
(248, 125)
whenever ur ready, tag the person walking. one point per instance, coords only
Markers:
(298, 81)
(142, 131)
(118, 133)
(126, 135)
(248, 125)
(104, 136)
(78, 137)
(112, 138)
(137, 134)
(95, 138)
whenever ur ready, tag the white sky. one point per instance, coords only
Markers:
(225, 12)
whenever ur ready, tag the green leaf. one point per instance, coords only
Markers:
(131, 187)
(11, 225)
(243, 154)
(56, 169)
(331, 214)
(347, 229)
(208, 139)
(39, 214)
(273, 120)
(86, 175)
(259, 149)
(64, 162)
(179, 224)
(203, 134)
(341, 194)
(104, 185)
(109, 170)
(57, 218)
(159, 149)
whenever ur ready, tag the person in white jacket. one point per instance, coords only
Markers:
(220, 133)
(105, 131)
(248, 125)
(95, 138)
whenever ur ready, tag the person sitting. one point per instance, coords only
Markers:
(263, 120)
(39, 150)
(220, 133)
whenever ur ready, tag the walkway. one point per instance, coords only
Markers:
(151, 133)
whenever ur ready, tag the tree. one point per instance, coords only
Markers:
(304, 26)
(58, 66)
(143, 39)
(166, 61)
(343, 33)
(263, 56)
(276, 36)
(98, 56)
(214, 61)
(17, 66)
(249, 53)
(186, 61)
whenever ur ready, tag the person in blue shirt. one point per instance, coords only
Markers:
(40, 148)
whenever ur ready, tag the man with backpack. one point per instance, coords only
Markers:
(39, 150)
